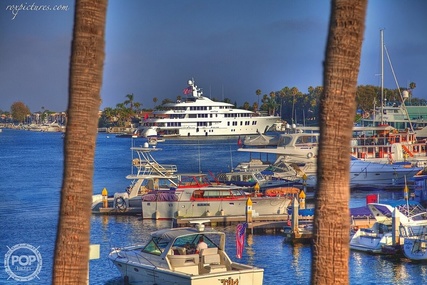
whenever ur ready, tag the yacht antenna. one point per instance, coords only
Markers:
(132, 144)
(382, 75)
(200, 167)
(231, 159)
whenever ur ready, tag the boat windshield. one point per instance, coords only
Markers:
(217, 193)
(190, 242)
(259, 176)
(194, 180)
(306, 139)
(284, 141)
(156, 246)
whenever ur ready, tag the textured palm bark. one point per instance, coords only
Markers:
(337, 112)
(86, 68)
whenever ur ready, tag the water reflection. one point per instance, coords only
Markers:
(249, 248)
(301, 260)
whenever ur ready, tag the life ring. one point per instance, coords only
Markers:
(120, 203)
(136, 161)
(309, 155)
(273, 192)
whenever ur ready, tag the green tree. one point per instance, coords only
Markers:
(85, 80)
(255, 106)
(272, 103)
(246, 105)
(264, 101)
(19, 111)
(282, 95)
(137, 107)
(294, 93)
(123, 114)
(330, 252)
(258, 93)
(129, 101)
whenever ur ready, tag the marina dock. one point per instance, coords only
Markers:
(261, 224)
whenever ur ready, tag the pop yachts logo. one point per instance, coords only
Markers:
(23, 262)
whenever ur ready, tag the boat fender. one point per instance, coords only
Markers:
(309, 155)
(120, 203)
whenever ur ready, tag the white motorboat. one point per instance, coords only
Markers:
(250, 178)
(278, 170)
(384, 144)
(195, 196)
(147, 175)
(415, 246)
(198, 115)
(301, 148)
(169, 258)
(380, 235)
(372, 239)
(415, 238)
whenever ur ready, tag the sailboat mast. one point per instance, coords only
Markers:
(382, 75)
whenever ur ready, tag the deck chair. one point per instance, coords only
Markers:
(210, 261)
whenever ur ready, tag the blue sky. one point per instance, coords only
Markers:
(230, 47)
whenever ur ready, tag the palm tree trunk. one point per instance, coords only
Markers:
(337, 111)
(86, 66)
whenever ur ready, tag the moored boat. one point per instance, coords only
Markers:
(373, 240)
(170, 257)
(198, 115)
(199, 198)
(415, 247)
(252, 178)
(147, 175)
(301, 148)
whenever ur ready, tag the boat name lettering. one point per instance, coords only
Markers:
(203, 204)
(229, 281)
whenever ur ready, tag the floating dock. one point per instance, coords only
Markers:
(259, 224)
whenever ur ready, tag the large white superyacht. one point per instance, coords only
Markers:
(197, 115)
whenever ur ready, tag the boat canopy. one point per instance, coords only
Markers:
(167, 235)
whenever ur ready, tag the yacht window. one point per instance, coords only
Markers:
(259, 176)
(237, 193)
(235, 178)
(247, 178)
(198, 194)
(284, 141)
(214, 194)
(306, 139)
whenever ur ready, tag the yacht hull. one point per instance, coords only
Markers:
(158, 210)
(415, 248)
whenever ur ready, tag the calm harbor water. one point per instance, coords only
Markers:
(30, 181)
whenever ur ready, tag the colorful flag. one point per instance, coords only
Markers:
(188, 90)
(240, 238)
